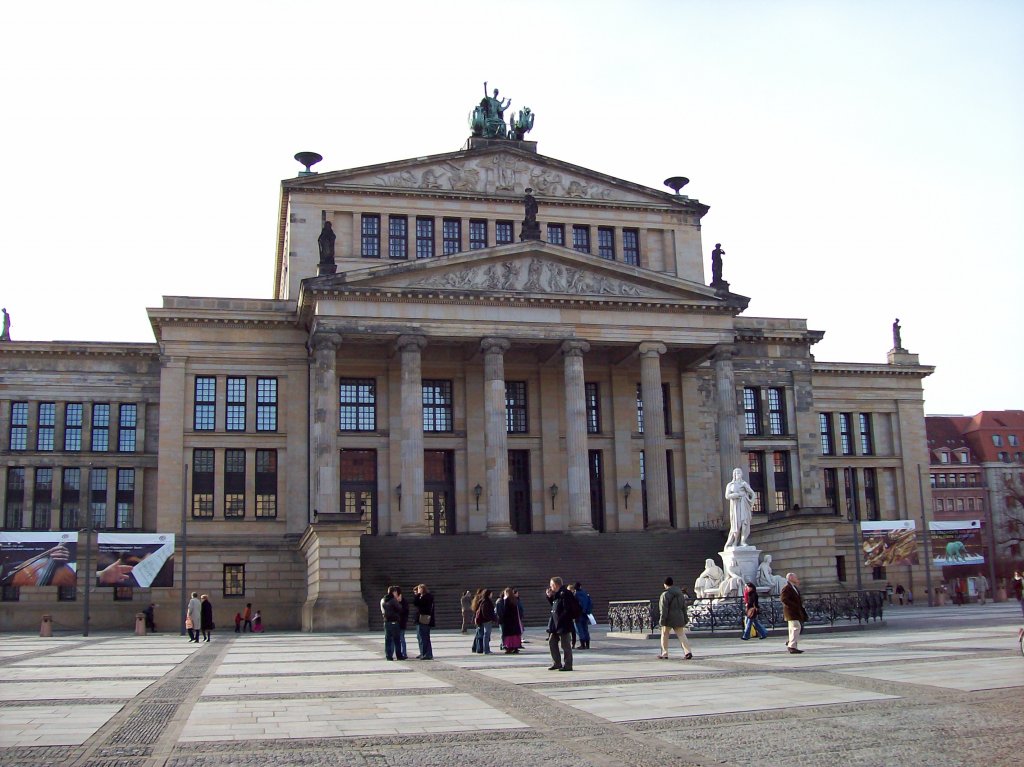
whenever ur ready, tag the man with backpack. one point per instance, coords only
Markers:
(564, 612)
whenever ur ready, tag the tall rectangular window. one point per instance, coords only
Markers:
(424, 237)
(776, 411)
(100, 442)
(780, 461)
(234, 415)
(592, 394)
(515, 407)
(606, 242)
(127, 422)
(451, 235)
(15, 498)
(828, 444)
(398, 237)
(19, 426)
(234, 580)
(42, 499)
(640, 408)
(47, 420)
(755, 475)
(125, 499)
(477, 234)
(266, 404)
(370, 235)
(850, 490)
(556, 234)
(831, 498)
(234, 484)
(202, 483)
(73, 427)
(846, 433)
(205, 408)
(752, 410)
(867, 439)
(358, 404)
(503, 233)
(437, 406)
(70, 499)
(581, 238)
(871, 510)
(98, 498)
(631, 246)
(266, 484)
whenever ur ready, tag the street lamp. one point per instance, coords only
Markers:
(554, 491)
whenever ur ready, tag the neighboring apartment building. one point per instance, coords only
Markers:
(434, 372)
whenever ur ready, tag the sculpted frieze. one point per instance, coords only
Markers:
(539, 276)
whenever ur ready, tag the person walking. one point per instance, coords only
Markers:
(672, 617)
(564, 610)
(150, 618)
(392, 613)
(981, 584)
(247, 617)
(752, 610)
(793, 611)
(1018, 589)
(206, 617)
(466, 605)
(508, 619)
(484, 619)
(423, 601)
(583, 622)
(193, 617)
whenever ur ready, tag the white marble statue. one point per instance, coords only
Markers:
(741, 504)
(708, 581)
(732, 584)
(765, 576)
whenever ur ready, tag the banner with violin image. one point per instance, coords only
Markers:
(39, 559)
(135, 559)
(886, 544)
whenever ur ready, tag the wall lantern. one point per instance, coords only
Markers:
(554, 491)
(626, 490)
(476, 492)
(398, 492)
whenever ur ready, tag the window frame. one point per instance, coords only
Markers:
(867, 434)
(234, 483)
(581, 238)
(398, 237)
(204, 404)
(592, 397)
(631, 246)
(266, 486)
(358, 413)
(556, 234)
(236, 398)
(46, 427)
(606, 242)
(451, 236)
(99, 436)
(19, 427)
(73, 430)
(516, 410)
(778, 425)
(439, 413)
(478, 238)
(752, 420)
(203, 482)
(233, 580)
(424, 237)
(266, 404)
(369, 235)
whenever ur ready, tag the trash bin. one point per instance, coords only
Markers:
(140, 624)
(46, 627)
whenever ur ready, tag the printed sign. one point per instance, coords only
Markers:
(39, 559)
(957, 542)
(886, 544)
(135, 559)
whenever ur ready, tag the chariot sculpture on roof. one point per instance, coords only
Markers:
(487, 119)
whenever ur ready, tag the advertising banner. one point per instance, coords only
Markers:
(39, 559)
(135, 559)
(956, 543)
(887, 544)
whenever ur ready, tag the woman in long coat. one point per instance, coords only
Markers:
(206, 617)
(192, 618)
(511, 625)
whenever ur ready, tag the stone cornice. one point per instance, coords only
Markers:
(867, 368)
(79, 349)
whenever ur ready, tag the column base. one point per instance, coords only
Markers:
(500, 532)
(582, 530)
(659, 526)
(419, 530)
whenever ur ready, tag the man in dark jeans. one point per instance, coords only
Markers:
(560, 624)
(423, 601)
(392, 611)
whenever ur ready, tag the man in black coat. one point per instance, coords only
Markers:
(793, 611)
(560, 624)
(423, 601)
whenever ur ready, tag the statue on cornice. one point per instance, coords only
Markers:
(5, 335)
(326, 244)
(716, 265)
(531, 229)
(897, 339)
(487, 120)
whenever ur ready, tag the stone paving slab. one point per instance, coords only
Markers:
(702, 697)
(50, 726)
(967, 674)
(318, 684)
(337, 717)
(312, 667)
(61, 672)
(609, 670)
(814, 657)
(71, 690)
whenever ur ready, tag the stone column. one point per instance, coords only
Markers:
(655, 470)
(576, 437)
(323, 427)
(411, 347)
(728, 420)
(496, 434)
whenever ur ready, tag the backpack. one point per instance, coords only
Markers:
(572, 606)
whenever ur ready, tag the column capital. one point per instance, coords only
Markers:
(322, 341)
(492, 345)
(574, 348)
(652, 349)
(723, 353)
(411, 343)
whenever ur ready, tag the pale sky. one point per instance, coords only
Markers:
(862, 160)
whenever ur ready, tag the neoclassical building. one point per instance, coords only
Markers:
(449, 354)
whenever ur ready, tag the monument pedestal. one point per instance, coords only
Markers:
(334, 598)
(742, 560)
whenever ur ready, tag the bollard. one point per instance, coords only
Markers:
(140, 624)
(46, 627)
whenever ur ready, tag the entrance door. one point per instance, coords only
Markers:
(595, 466)
(519, 490)
(439, 491)
(359, 486)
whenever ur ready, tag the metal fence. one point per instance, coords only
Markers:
(727, 613)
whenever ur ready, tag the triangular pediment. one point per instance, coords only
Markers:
(534, 268)
(495, 171)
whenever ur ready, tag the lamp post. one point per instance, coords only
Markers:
(925, 532)
(183, 599)
(85, 574)
(855, 518)
(554, 491)
(626, 490)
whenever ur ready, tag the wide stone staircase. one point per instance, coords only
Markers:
(611, 567)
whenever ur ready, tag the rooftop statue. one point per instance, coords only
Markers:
(897, 339)
(487, 119)
(6, 334)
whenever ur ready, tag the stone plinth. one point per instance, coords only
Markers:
(334, 600)
(745, 559)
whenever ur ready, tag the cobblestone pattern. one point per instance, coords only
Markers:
(44, 755)
(144, 725)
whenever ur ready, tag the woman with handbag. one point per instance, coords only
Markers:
(752, 610)
(423, 601)
(484, 619)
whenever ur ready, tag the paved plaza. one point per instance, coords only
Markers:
(940, 687)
